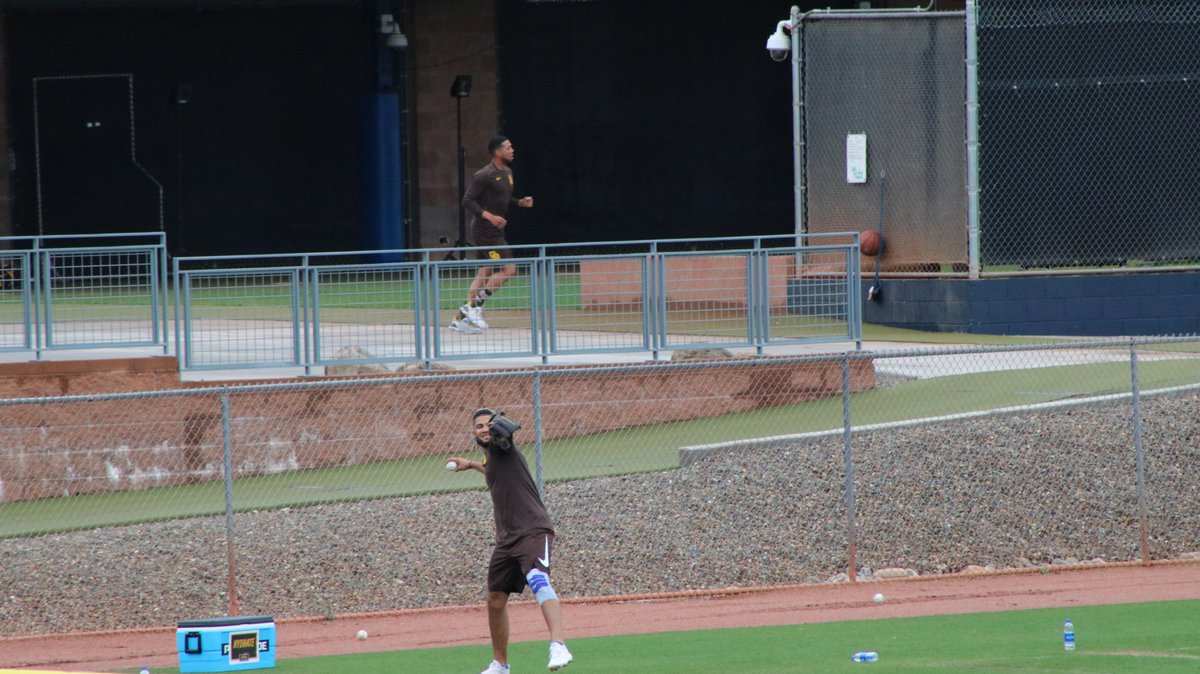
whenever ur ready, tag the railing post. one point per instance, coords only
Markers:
(429, 317)
(164, 260)
(1139, 454)
(177, 293)
(658, 301)
(854, 299)
(230, 548)
(547, 305)
(537, 325)
(433, 301)
(162, 282)
(418, 286)
(47, 292)
(757, 298)
(848, 468)
(304, 290)
(29, 299)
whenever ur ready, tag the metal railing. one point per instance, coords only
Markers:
(71, 292)
(317, 309)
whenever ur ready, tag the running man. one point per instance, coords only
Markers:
(524, 540)
(488, 199)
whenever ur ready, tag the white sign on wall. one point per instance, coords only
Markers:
(856, 158)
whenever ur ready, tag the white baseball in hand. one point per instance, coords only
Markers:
(451, 466)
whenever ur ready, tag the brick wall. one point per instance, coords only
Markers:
(82, 377)
(53, 449)
(705, 282)
(450, 38)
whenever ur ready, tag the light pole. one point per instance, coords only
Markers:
(779, 46)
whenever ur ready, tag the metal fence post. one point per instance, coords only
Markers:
(848, 463)
(230, 550)
(1139, 455)
(972, 141)
(799, 178)
(537, 433)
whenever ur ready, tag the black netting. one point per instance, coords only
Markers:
(1087, 114)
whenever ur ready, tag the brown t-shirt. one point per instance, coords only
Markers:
(515, 502)
(491, 190)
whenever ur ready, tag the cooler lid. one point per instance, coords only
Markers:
(226, 622)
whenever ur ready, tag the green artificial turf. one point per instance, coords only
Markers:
(1157, 637)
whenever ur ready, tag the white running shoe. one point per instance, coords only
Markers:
(464, 327)
(475, 316)
(495, 668)
(559, 656)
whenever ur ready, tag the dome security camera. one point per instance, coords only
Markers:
(393, 36)
(397, 40)
(778, 45)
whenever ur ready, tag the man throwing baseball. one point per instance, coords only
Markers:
(524, 537)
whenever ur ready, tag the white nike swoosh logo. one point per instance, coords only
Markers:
(545, 561)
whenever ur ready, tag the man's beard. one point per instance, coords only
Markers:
(479, 442)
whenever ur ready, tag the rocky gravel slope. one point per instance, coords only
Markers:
(1002, 491)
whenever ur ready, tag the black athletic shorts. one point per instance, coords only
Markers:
(491, 236)
(493, 254)
(506, 571)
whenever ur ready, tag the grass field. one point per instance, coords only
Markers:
(1155, 637)
(631, 450)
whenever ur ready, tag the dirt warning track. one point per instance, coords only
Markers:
(641, 614)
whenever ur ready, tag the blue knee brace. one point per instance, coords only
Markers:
(539, 584)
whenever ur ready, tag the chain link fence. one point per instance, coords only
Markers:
(896, 80)
(321, 498)
(1085, 111)
(1081, 134)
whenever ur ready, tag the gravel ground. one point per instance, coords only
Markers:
(1003, 491)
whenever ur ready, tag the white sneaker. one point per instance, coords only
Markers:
(495, 668)
(475, 316)
(559, 656)
(464, 327)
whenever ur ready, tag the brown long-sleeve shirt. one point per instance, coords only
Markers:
(491, 190)
(515, 501)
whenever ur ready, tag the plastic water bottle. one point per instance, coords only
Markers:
(865, 656)
(1068, 635)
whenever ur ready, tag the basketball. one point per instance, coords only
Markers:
(870, 243)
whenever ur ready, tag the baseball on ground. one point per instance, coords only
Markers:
(878, 597)
(362, 635)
